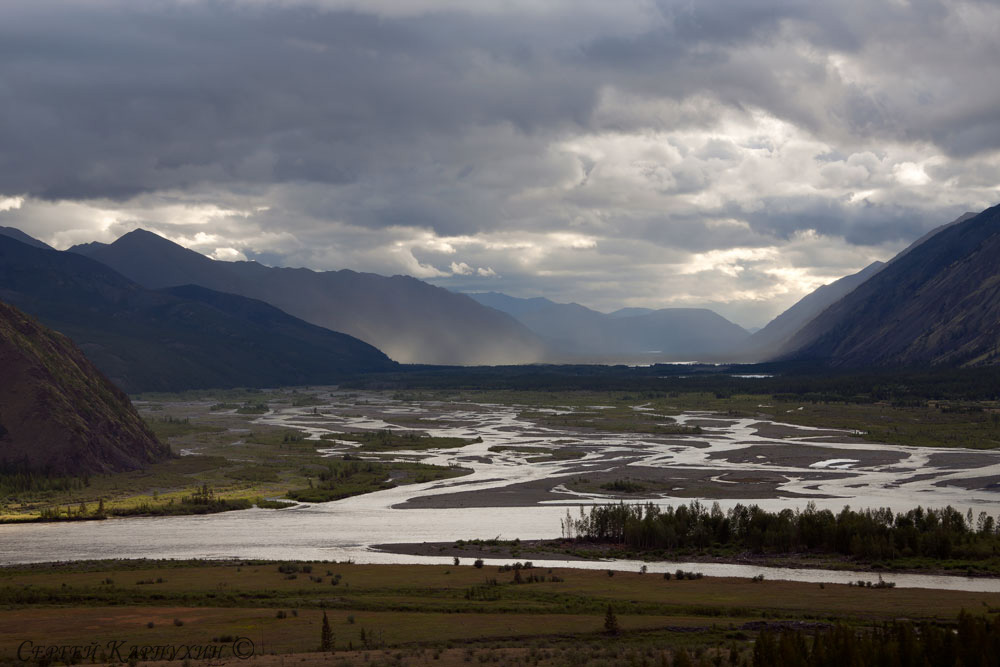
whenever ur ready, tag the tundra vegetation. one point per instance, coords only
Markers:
(509, 615)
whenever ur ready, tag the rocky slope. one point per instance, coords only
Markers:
(58, 414)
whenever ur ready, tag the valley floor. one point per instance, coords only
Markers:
(415, 615)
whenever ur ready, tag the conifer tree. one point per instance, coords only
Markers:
(611, 622)
(326, 635)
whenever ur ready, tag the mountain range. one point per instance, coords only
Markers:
(408, 319)
(179, 338)
(934, 303)
(575, 333)
(58, 414)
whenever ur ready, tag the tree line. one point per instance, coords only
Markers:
(791, 380)
(974, 641)
(870, 534)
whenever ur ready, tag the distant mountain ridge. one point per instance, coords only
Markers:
(182, 338)
(58, 414)
(576, 333)
(937, 302)
(412, 321)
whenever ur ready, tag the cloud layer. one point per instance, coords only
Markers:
(722, 154)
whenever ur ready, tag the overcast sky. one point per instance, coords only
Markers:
(729, 154)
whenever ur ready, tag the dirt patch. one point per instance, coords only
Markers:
(526, 550)
(803, 456)
(988, 483)
(641, 483)
(962, 460)
(710, 423)
(769, 430)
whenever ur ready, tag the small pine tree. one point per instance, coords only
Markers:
(326, 635)
(611, 622)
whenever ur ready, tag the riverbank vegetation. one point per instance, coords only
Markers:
(351, 476)
(919, 538)
(384, 440)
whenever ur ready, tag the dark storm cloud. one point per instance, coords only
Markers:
(551, 142)
(116, 98)
(111, 103)
(865, 225)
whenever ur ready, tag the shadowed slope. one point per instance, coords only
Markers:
(58, 414)
(936, 303)
(182, 338)
(409, 319)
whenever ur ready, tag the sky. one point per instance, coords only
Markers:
(733, 155)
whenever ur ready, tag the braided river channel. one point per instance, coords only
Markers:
(513, 492)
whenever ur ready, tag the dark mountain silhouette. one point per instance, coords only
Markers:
(181, 338)
(960, 219)
(576, 333)
(58, 414)
(769, 340)
(15, 233)
(938, 302)
(409, 319)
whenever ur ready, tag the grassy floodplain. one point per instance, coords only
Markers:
(443, 614)
(437, 614)
(242, 463)
(222, 452)
(916, 423)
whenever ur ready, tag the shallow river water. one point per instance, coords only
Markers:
(861, 474)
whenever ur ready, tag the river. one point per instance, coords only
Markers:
(867, 475)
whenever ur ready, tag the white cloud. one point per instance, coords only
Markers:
(10, 203)
(461, 269)
(228, 255)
